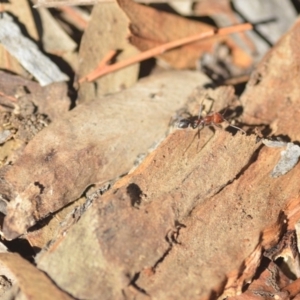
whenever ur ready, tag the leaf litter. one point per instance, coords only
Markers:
(117, 203)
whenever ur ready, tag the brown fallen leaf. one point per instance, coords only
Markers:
(103, 68)
(150, 27)
(91, 144)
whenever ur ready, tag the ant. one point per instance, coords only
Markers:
(211, 119)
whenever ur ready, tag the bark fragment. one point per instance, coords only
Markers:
(94, 143)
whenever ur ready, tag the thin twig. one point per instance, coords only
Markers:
(74, 15)
(167, 46)
(103, 63)
(11, 98)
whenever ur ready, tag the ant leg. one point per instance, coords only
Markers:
(220, 126)
(200, 111)
(198, 133)
(217, 125)
(195, 124)
(238, 128)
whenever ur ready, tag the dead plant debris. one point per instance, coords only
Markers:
(149, 151)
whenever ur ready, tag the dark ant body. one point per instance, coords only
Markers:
(211, 119)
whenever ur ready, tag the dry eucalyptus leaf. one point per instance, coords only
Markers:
(106, 31)
(93, 143)
(221, 11)
(151, 27)
(56, 41)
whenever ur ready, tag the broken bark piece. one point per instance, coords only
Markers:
(268, 286)
(226, 228)
(26, 108)
(93, 143)
(262, 101)
(91, 53)
(293, 289)
(28, 54)
(286, 249)
(134, 226)
(51, 100)
(24, 281)
(54, 3)
(289, 156)
(48, 228)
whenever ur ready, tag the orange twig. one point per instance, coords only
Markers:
(164, 47)
(101, 66)
(11, 98)
(74, 15)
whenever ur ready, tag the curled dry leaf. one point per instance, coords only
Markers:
(93, 143)
(150, 28)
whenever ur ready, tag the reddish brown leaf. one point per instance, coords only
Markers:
(150, 27)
